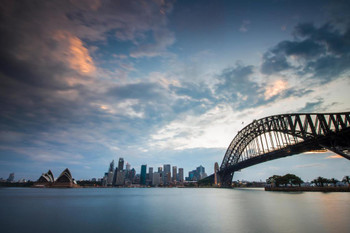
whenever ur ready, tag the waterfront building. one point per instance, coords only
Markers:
(120, 178)
(197, 174)
(110, 178)
(104, 180)
(143, 174)
(150, 174)
(128, 166)
(200, 169)
(166, 174)
(121, 164)
(174, 173)
(65, 180)
(115, 176)
(46, 178)
(181, 175)
(156, 179)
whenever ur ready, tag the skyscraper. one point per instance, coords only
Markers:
(111, 166)
(128, 166)
(143, 174)
(166, 174)
(174, 173)
(121, 164)
(150, 173)
(181, 175)
(156, 179)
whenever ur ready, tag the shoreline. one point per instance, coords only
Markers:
(308, 189)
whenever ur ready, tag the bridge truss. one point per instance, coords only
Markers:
(283, 135)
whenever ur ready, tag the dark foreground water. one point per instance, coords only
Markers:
(171, 210)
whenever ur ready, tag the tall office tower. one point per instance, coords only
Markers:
(104, 180)
(111, 166)
(200, 172)
(110, 178)
(130, 175)
(181, 175)
(191, 175)
(156, 179)
(174, 173)
(115, 176)
(11, 177)
(200, 169)
(121, 164)
(150, 172)
(128, 166)
(166, 173)
(143, 174)
(120, 178)
(160, 169)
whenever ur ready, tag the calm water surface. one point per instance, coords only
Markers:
(171, 210)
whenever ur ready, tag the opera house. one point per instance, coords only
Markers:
(65, 180)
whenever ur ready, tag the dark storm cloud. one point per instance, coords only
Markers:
(322, 53)
(50, 97)
(237, 86)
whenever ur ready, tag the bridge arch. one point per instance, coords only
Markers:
(283, 135)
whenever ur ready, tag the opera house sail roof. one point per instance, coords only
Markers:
(65, 177)
(65, 180)
(46, 177)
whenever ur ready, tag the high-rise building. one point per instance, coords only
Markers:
(174, 173)
(111, 166)
(110, 178)
(156, 179)
(143, 174)
(120, 178)
(200, 169)
(115, 176)
(150, 173)
(166, 174)
(121, 164)
(181, 175)
(128, 166)
(104, 180)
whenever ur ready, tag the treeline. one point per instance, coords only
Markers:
(293, 180)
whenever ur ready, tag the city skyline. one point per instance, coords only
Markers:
(164, 82)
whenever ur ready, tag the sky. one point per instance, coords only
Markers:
(164, 82)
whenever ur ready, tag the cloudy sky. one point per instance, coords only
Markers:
(155, 82)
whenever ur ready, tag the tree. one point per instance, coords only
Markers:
(334, 181)
(293, 179)
(274, 180)
(346, 179)
(320, 181)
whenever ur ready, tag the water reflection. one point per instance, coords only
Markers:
(172, 210)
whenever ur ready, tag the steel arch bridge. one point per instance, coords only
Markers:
(284, 135)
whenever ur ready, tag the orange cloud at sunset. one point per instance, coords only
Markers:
(75, 54)
(277, 87)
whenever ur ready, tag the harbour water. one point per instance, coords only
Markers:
(171, 210)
